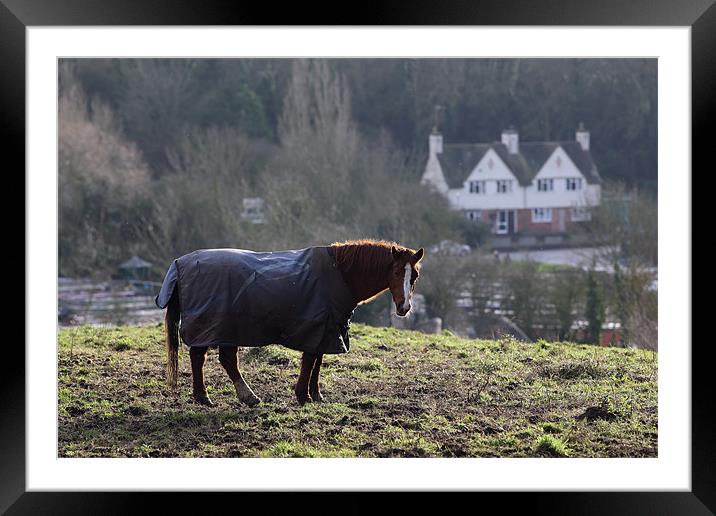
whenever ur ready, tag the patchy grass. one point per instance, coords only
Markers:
(395, 394)
(551, 446)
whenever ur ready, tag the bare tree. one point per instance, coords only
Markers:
(318, 135)
(625, 229)
(594, 308)
(103, 184)
(526, 294)
(483, 278)
(566, 292)
(159, 92)
(441, 282)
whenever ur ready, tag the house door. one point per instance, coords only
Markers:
(505, 222)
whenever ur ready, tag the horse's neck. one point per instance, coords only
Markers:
(364, 282)
(364, 288)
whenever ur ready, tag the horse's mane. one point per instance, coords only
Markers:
(365, 255)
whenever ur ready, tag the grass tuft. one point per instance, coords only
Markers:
(551, 446)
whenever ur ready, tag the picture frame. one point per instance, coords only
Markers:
(17, 15)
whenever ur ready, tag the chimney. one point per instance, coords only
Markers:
(582, 136)
(436, 142)
(511, 140)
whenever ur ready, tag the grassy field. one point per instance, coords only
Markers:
(395, 394)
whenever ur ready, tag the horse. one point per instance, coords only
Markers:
(301, 299)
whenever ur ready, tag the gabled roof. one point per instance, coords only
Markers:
(458, 160)
(517, 163)
(583, 160)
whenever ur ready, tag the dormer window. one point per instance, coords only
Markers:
(504, 186)
(574, 183)
(545, 185)
(476, 187)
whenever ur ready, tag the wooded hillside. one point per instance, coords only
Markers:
(155, 156)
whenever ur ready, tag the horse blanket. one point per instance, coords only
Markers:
(234, 297)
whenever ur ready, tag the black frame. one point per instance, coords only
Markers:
(16, 15)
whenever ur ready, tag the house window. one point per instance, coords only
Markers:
(574, 183)
(545, 185)
(542, 215)
(473, 215)
(477, 187)
(580, 213)
(504, 186)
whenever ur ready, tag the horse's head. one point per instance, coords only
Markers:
(404, 273)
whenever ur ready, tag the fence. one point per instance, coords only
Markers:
(83, 301)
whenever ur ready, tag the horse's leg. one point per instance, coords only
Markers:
(307, 361)
(229, 359)
(313, 388)
(198, 357)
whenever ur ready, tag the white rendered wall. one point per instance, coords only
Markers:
(433, 175)
(491, 199)
(558, 167)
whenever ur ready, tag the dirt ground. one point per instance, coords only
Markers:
(395, 394)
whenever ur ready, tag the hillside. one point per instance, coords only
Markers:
(395, 394)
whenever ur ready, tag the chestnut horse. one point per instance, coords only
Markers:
(368, 267)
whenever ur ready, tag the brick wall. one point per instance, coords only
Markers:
(561, 221)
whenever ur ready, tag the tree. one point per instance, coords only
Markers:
(336, 148)
(330, 182)
(159, 94)
(209, 177)
(441, 282)
(309, 179)
(483, 278)
(103, 185)
(594, 309)
(526, 295)
(474, 233)
(625, 230)
(565, 294)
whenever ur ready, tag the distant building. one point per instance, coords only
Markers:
(135, 269)
(611, 334)
(528, 193)
(253, 210)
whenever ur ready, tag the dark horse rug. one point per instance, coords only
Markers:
(233, 297)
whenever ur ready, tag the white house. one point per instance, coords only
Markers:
(517, 188)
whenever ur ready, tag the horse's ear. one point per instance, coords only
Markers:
(418, 255)
(395, 253)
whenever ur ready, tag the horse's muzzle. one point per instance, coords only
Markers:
(403, 312)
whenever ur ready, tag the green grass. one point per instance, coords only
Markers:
(395, 394)
(551, 446)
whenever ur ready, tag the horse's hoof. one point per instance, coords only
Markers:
(246, 395)
(252, 402)
(303, 399)
(317, 397)
(204, 400)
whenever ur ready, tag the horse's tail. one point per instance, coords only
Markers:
(171, 326)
